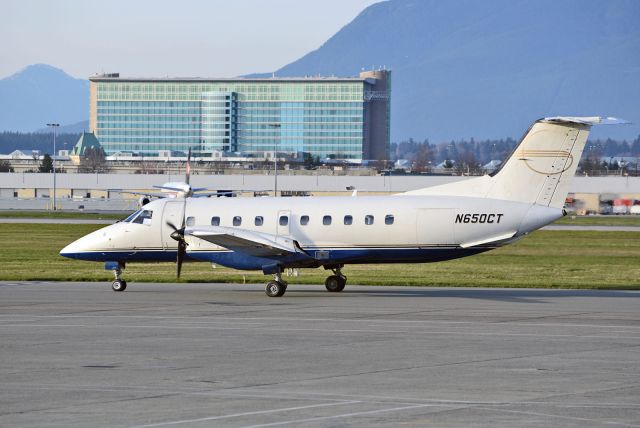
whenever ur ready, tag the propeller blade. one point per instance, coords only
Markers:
(182, 247)
(187, 174)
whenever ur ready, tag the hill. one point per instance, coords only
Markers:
(39, 94)
(487, 69)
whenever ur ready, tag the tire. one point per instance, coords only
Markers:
(119, 285)
(335, 283)
(275, 289)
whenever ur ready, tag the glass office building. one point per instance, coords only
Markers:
(339, 118)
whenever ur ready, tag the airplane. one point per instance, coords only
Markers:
(175, 189)
(431, 224)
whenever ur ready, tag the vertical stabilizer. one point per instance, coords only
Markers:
(541, 168)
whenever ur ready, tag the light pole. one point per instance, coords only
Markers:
(275, 159)
(55, 127)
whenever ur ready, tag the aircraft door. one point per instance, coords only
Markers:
(172, 213)
(282, 223)
(434, 226)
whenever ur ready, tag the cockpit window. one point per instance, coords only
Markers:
(131, 217)
(144, 217)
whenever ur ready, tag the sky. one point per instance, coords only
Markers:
(156, 38)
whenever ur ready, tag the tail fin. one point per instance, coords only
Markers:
(541, 167)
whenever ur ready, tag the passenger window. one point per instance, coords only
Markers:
(215, 221)
(304, 220)
(237, 220)
(191, 221)
(348, 220)
(326, 220)
(284, 220)
(368, 219)
(144, 217)
(388, 219)
(259, 221)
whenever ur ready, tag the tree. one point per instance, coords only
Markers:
(466, 164)
(5, 166)
(423, 158)
(47, 164)
(94, 160)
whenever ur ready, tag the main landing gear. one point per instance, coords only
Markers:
(336, 282)
(119, 284)
(277, 287)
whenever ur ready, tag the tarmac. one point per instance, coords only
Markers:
(199, 355)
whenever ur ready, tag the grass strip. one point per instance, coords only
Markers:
(544, 259)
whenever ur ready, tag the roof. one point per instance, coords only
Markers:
(306, 79)
(87, 140)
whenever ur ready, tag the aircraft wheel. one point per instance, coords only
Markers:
(275, 289)
(335, 283)
(119, 285)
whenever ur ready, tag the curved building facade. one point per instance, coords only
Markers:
(337, 118)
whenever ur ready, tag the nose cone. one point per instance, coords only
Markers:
(89, 247)
(74, 250)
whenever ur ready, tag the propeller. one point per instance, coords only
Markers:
(178, 234)
(187, 173)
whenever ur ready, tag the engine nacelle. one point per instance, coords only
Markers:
(144, 200)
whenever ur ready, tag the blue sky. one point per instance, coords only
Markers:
(215, 38)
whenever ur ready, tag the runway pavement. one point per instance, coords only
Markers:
(199, 355)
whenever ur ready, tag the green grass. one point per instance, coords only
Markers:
(609, 220)
(545, 259)
(63, 215)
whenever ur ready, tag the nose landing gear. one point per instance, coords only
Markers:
(119, 284)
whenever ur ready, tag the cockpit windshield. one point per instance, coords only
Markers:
(131, 217)
(144, 217)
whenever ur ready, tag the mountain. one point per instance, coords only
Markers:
(487, 69)
(74, 128)
(39, 94)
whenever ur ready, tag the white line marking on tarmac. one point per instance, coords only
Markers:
(237, 415)
(323, 330)
(342, 320)
(573, 418)
(344, 415)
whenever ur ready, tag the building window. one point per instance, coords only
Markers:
(284, 220)
(237, 220)
(215, 221)
(191, 221)
(348, 220)
(368, 219)
(326, 220)
(259, 221)
(304, 220)
(388, 219)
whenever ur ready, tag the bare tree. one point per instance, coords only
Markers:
(466, 164)
(94, 160)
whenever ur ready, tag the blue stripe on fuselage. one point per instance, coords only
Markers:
(241, 261)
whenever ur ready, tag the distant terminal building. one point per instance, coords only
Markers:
(319, 117)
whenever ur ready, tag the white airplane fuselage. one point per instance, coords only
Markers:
(328, 230)
(425, 225)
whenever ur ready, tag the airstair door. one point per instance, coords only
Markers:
(172, 213)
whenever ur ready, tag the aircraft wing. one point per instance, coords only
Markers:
(150, 194)
(245, 241)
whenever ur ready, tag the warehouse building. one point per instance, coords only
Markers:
(344, 119)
